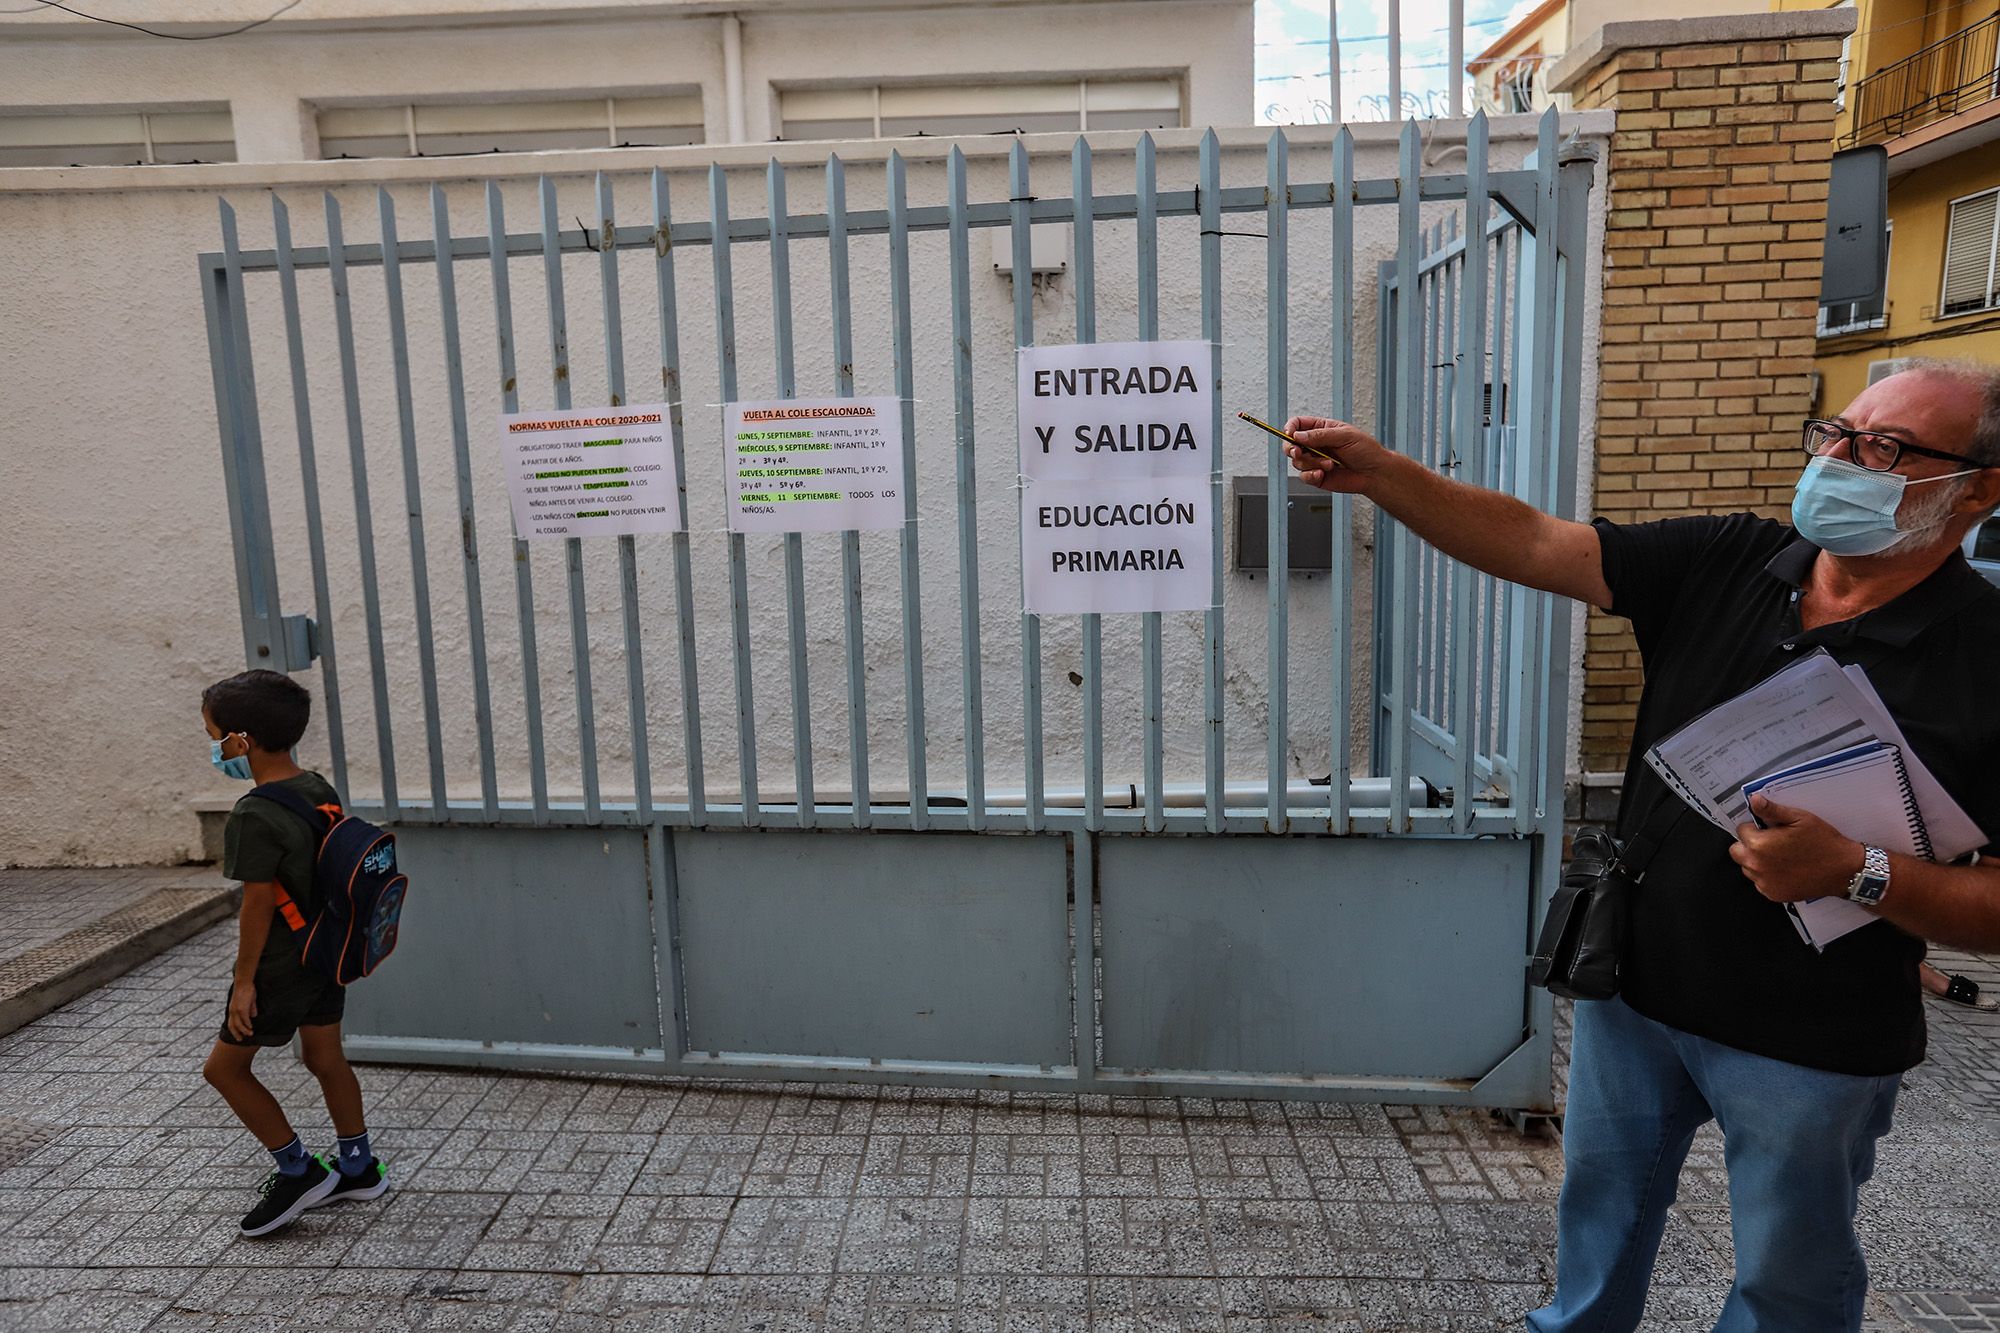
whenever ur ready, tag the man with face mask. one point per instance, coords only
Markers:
(1724, 1013)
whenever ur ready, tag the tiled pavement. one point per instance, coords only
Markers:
(619, 1203)
(39, 906)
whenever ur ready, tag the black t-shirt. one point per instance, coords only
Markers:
(264, 841)
(1713, 602)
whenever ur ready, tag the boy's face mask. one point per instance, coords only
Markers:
(237, 766)
(1848, 510)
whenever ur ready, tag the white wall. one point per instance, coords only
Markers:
(119, 589)
(273, 77)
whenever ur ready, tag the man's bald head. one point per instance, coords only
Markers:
(1960, 397)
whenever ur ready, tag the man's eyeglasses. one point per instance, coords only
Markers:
(1877, 453)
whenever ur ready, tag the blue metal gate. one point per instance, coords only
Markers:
(1166, 927)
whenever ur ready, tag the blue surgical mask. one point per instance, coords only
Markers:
(1845, 509)
(238, 767)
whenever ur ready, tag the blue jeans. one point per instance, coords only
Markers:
(1798, 1143)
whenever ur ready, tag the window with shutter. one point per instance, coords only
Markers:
(1970, 280)
(98, 136)
(439, 129)
(897, 110)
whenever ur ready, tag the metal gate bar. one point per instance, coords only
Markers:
(288, 290)
(795, 575)
(461, 449)
(628, 554)
(968, 514)
(850, 541)
(579, 621)
(1340, 579)
(524, 587)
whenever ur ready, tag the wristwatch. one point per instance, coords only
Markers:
(1872, 880)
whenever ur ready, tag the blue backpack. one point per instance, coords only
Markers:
(359, 888)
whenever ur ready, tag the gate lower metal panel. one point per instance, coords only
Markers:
(892, 946)
(1318, 956)
(501, 929)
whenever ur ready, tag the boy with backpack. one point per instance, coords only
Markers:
(272, 843)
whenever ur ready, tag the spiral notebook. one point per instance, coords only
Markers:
(1866, 793)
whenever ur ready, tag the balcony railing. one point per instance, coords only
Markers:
(1941, 80)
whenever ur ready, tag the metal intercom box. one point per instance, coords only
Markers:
(1309, 526)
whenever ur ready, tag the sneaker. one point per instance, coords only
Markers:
(285, 1197)
(371, 1182)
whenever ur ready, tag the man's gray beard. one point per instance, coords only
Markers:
(1921, 522)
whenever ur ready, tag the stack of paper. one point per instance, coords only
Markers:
(1817, 737)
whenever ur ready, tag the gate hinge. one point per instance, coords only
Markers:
(294, 647)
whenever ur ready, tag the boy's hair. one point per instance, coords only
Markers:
(267, 706)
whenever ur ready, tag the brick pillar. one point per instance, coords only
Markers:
(1715, 215)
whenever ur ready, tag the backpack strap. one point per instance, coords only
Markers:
(319, 819)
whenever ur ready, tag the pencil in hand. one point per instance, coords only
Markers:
(1289, 439)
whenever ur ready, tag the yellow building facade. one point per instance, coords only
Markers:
(1921, 78)
(1511, 74)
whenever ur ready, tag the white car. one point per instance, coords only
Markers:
(1982, 548)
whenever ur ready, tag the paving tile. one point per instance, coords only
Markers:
(1027, 1165)
(422, 1229)
(924, 1111)
(727, 1303)
(386, 1299)
(770, 1236)
(38, 907)
(731, 1110)
(625, 1106)
(1148, 1237)
(1249, 1166)
(911, 1164)
(1017, 1304)
(665, 1233)
(1287, 1300)
(1947, 1312)
(1428, 1306)
(917, 1236)
(697, 1164)
(1033, 1237)
(1913, 1247)
(542, 1233)
(1271, 1238)
(513, 1302)
(1130, 1304)
(632, 1300)
(805, 1165)
(63, 1300)
(892, 1303)
(1361, 1169)
(1144, 1166)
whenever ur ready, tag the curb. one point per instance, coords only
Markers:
(48, 977)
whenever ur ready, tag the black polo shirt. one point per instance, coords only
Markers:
(1713, 602)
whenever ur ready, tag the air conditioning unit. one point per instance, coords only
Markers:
(1882, 370)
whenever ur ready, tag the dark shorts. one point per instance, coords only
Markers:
(288, 998)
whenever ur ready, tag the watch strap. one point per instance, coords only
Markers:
(1872, 880)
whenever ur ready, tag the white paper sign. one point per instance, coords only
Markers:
(598, 473)
(1110, 411)
(815, 464)
(1117, 441)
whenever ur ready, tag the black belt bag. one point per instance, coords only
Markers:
(1583, 937)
